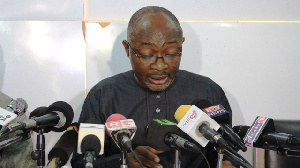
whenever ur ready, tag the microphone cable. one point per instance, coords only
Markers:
(136, 157)
(236, 154)
(2, 136)
(235, 157)
(198, 150)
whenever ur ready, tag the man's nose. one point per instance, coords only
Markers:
(159, 64)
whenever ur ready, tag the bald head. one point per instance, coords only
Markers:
(147, 17)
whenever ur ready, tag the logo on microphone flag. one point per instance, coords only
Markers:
(192, 117)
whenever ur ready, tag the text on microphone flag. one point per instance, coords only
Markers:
(215, 110)
(192, 117)
(121, 124)
(254, 130)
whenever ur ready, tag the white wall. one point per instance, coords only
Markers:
(43, 62)
(43, 52)
(196, 10)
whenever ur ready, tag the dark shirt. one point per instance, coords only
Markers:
(122, 94)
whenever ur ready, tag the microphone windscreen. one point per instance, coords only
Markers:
(40, 111)
(90, 143)
(181, 111)
(86, 129)
(24, 103)
(65, 145)
(115, 117)
(241, 130)
(201, 103)
(66, 110)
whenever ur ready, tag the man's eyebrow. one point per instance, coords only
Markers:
(147, 43)
(170, 42)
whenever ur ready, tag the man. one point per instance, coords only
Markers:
(154, 89)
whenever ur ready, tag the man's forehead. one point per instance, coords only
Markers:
(154, 20)
(154, 26)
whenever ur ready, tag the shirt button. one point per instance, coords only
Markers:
(157, 110)
(157, 96)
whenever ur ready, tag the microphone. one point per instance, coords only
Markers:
(18, 106)
(121, 130)
(58, 116)
(221, 116)
(163, 135)
(61, 151)
(91, 128)
(202, 129)
(262, 134)
(10, 109)
(90, 147)
(198, 125)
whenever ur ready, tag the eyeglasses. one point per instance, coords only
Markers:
(168, 58)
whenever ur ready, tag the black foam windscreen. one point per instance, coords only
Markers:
(201, 103)
(38, 112)
(65, 145)
(66, 109)
(241, 130)
(90, 143)
(156, 132)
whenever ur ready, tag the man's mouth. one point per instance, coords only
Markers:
(158, 80)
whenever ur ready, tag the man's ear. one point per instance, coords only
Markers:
(183, 39)
(126, 47)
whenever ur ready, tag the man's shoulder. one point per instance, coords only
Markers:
(196, 81)
(190, 76)
(115, 80)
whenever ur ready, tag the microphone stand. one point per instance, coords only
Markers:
(232, 155)
(123, 159)
(39, 153)
(220, 158)
(176, 157)
(235, 157)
